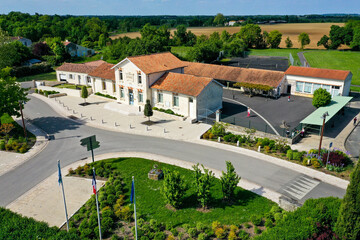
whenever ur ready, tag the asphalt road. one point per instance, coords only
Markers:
(352, 144)
(66, 147)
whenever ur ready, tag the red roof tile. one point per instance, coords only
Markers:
(80, 67)
(317, 72)
(104, 71)
(235, 74)
(182, 83)
(158, 62)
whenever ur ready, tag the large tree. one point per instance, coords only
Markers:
(11, 94)
(251, 35)
(348, 222)
(303, 39)
(274, 39)
(219, 19)
(321, 98)
(324, 41)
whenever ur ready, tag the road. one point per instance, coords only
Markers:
(66, 147)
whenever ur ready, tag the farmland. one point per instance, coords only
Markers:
(315, 31)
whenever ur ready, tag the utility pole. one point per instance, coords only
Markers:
(322, 130)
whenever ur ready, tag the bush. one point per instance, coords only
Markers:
(257, 230)
(243, 235)
(297, 156)
(267, 149)
(2, 145)
(220, 233)
(206, 135)
(247, 225)
(202, 236)
(289, 154)
(230, 138)
(32, 70)
(269, 223)
(218, 130)
(200, 226)
(215, 225)
(278, 216)
(107, 224)
(105, 95)
(315, 163)
(211, 136)
(232, 235)
(321, 98)
(192, 232)
(256, 220)
(337, 159)
(159, 236)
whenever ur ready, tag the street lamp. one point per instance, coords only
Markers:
(322, 129)
(22, 117)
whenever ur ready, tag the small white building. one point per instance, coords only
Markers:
(103, 79)
(77, 73)
(76, 50)
(304, 81)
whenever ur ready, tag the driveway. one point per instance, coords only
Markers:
(274, 110)
(352, 144)
(66, 147)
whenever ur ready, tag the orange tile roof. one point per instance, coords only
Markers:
(104, 71)
(235, 74)
(80, 67)
(317, 72)
(182, 83)
(158, 62)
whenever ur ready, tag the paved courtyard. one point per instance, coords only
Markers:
(273, 110)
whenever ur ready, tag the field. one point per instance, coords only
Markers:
(315, 31)
(343, 60)
(285, 52)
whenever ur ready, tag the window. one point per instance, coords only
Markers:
(114, 87)
(139, 78)
(299, 86)
(79, 77)
(191, 99)
(122, 92)
(141, 97)
(160, 97)
(70, 76)
(176, 101)
(88, 79)
(121, 75)
(327, 88)
(316, 86)
(103, 85)
(308, 87)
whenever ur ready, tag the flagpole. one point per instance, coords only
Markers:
(97, 203)
(136, 235)
(62, 186)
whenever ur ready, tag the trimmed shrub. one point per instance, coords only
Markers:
(232, 235)
(206, 135)
(289, 154)
(192, 232)
(215, 225)
(211, 136)
(200, 226)
(2, 145)
(220, 233)
(256, 220)
(202, 236)
(297, 156)
(315, 163)
(269, 223)
(218, 130)
(159, 236)
(243, 235)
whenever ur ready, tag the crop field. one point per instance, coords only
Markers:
(342, 60)
(292, 30)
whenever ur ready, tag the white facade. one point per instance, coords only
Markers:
(305, 86)
(74, 77)
(104, 86)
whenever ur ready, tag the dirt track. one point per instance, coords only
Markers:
(315, 31)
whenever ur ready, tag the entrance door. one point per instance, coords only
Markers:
(131, 97)
(63, 77)
(335, 91)
(288, 89)
(192, 113)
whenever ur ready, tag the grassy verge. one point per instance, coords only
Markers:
(342, 60)
(43, 76)
(281, 52)
(70, 86)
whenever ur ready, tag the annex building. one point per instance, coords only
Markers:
(193, 90)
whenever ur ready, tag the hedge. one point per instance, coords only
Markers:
(33, 70)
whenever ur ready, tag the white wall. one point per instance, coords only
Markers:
(75, 77)
(109, 84)
(291, 79)
(168, 102)
(347, 85)
(210, 99)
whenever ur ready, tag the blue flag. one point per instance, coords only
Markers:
(60, 178)
(132, 195)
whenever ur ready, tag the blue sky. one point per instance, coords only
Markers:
(180, 7)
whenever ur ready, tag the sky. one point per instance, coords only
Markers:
(180, 7)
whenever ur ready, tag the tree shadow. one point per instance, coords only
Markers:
(52, 125)
(150, 123)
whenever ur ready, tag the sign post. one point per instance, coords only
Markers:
(91, 144)
(329, 152)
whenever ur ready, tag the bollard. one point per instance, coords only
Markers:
(115, 124)
(81, 115)
(259, 149)
(237, 143)
(102, 121)
(74, 112)
(164, 130)
(219, 139)
(147, 129)
(91, 118)
(68, 108)
(130, 125)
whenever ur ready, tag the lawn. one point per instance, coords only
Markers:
(42, 76)
(70, 86)
(281, 52)
(181, 51)
(150, 202)
(343, 60)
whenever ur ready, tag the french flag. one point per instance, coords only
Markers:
(94, 182)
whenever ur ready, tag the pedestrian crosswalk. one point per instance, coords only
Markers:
(299, 187)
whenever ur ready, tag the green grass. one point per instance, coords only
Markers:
(181, 51)
(70, 86)
(150, 203)
(88, 59)
(342, 60)
(42, 76)
(281, 52)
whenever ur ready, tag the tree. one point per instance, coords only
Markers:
(348, 222)
(11, 94)
(274, 39)
(225, 36)
(84, 93)
(236, 48)
(251, 35)
(40, 49)
(219, 19)
(174, 188)
(303, 39)
(207, 51)
(288, 42)
(203, 183)
(321, 98)
(148, 112)
(324, 41)
(355, 43)
(229, 181)
(102, 41)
